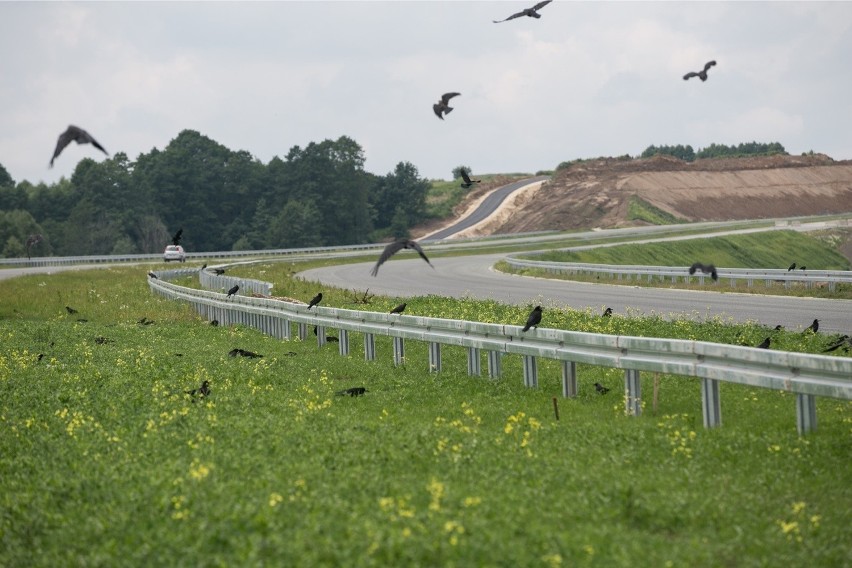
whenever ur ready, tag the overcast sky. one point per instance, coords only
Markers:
(587, 79)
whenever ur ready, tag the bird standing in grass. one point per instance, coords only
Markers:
(70, 310)
(399, 309)
(74, 134)
(601, 389)
(354, 391)
(792, 267)
(764, 344)
(203, 391)
(243, 353)
(394, 248)
(234, 289)
(814, 327)
(843, 341)
(534, 319)
(317, 299)
(607, 312)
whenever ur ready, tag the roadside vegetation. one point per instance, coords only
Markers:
(105, 459)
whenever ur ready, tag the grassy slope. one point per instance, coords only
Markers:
(103, 460)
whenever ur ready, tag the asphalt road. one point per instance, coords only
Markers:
(488, 206)
(473, 276)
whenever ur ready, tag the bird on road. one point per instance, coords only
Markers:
(814, 327)
(399, 309)
(534, 319)
(394, 248)
(234, 289)
(467, 181)
(792, 267)
(443, 107)
(317, 299)
(705, 268)
(529, 12)
(601, 389)
(354, 391)
(764, 344)
(700, 74)
(74, 134)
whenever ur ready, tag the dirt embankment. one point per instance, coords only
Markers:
(597, 193)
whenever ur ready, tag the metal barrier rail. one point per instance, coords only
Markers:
(619, 271)
(808, 376)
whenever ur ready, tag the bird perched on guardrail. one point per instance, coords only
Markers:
(700, 74)
(443, 107)
(705, 268)
(152, 275)
(601, 389)
(814, 327)
(399, 309)
(74, 134)
(529, 12)
(317, 299)
(394, 248)
(234, 289)
(792, 267)
(534, 319)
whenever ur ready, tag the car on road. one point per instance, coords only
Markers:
(174, 252)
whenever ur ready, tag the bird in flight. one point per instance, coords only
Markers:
(176, 238)
(530, 12)
(354, 391)
(74, 134)
(443, 107)
(764, 344)
(317, 299)
(814, 327)
(394, 248)
(534, 319)
(601, 389)
(234, 289)
(399, 309)
(700, 74)
(705, 268)
(467, 181)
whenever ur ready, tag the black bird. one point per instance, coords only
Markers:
(467, 181)
(32, 241)
(778, 327)
(332, 339)
(102, 340)
(443, 107)
(700, 74)
(290, 354)
(176, 238)
(814, 327)
(601, 389)
(534, 319)
(243, 353)
(203, 267)
(70, 310)
(214, 322)
(394, 248)
(145, 321)
(40, 356)
(234, 289)
(152, 275)
(219, 271)
(399, 309)
(843, 339)
(530, 12)
(74, 134)
(317, 299)
(354, 391)
(792, 266)
(803, 268)
(607, 312)
(764, 344)
(203, 391)
(705, 268)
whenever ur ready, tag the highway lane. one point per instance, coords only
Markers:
(473, 276)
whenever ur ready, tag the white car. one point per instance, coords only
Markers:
(174, 252)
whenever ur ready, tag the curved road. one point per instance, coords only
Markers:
(488, 206)
(474, 277)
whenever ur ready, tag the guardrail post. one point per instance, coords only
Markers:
(569, 379)
(474, 367)
(633, 393)
(343, 346)
(369, 347)
(434, 357)
(320, 335)
(398, 351)
(286, 328)
(710, 403)
(530, 371)
(303, 331)
(806, 418)
(495, 369)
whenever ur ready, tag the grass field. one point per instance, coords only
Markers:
(105, 461)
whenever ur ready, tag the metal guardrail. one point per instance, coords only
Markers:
(769, 277)
(808, 376)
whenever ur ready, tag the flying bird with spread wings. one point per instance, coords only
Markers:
(394, 248)
(467, 182)
(529, 12)
(74, 134)
(177, 237)
(443, 107)
(700, 74)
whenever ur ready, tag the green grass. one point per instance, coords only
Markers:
(443, 196)
(104, 461)
(639, 209)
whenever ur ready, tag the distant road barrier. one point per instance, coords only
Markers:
(808, 376)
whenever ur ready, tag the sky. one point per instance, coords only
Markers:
(587, 79)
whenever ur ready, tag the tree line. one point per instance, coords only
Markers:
(741, 150)
(222, 199)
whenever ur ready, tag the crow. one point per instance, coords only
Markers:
(290, 354)
(332, 339)
(601, 389)
(102, 340)
(814, 327)
(70, 310)
(32, 241)
(203, 391)
(75, 134)
(317, 299)
(234, 289)
(176, 238)
(40, 356)
(778, 327)
(792, 266)
(443, 107)
(152, 275)
(399, 309)
(803, 268)
(700, 74)
(243, 353)
(219, 271)
(607, 312)
(764, 344)
(354, 391)
(203, 266)
(145, 321)
(843, 339)
(214, 322)
(530, 12)
(394, 248)
(467, 181)
(705, 268)
(534, 319)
